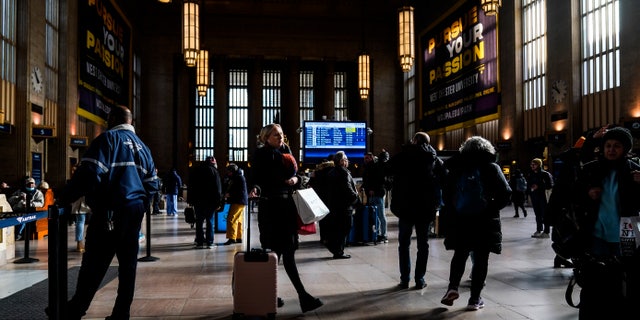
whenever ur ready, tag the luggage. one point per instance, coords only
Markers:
(190, 216)
(221, 219)
(254, 281)
(364, 226)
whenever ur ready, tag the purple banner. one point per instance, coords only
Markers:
(460, 69)
(104, 54)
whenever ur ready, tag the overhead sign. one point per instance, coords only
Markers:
(42, 132)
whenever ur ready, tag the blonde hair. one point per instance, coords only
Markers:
(266, 131)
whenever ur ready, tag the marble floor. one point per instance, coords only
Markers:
(188, 283)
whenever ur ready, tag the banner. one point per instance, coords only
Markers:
(104, 55)
(460, 69)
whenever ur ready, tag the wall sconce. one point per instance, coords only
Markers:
(202, 72)
(363, 75)
(190, 31)
(405, 38)
(164, 1)
(490, 7)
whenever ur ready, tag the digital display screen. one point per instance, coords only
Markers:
(323, 138)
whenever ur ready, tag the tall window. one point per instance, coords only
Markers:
(204, 123)
(340, 95)
(238, 115)
(534, 60)
(307, 101)
(271, 96)
(600, 45)
(7, 60)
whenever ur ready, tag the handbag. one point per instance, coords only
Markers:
(306, 228)
(310, 206)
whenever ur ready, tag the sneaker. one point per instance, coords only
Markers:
(403, 285)
(544, 235)
(420, 285)
(200, 246)
(449, 297)
(383, 239)
(536, 234)
(475, 304)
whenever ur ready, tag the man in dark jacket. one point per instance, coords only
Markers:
(373, 180)
(342, 199)
(172, 184)
(117, 176)
(538, 183)
(205, 194)
(415, 197)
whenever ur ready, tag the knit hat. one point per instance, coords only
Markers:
(620, 134)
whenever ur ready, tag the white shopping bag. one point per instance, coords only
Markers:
(310, 207)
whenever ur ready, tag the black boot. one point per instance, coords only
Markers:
(309, 303)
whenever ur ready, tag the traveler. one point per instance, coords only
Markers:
(538, 182)
(474, 193)
(274, 172)
(343, 197)
(518, 184)
(205, 194)
(238, 199)
(171, 185)
(418, 175)
(373, 184)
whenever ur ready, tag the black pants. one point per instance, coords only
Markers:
(101, 246)
(338, 225)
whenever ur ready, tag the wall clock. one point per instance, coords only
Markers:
(558, 90)
(36, 80)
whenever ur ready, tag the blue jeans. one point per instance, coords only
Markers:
(405, 230)
(204, 215)
(80, 218)
(381, 224)
(172, 204)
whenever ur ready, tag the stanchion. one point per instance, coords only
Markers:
(27, 235)
(148, 257)
(57, 240)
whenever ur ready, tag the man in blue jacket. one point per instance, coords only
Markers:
(117, 176)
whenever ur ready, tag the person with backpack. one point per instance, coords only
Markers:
(518, 185)
(539, 182)
(415, 197)
(606, 204)
(474, 192)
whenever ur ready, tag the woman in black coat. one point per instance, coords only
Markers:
(476, 231)
(274, 173)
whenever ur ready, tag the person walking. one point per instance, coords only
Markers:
(117, 177)
(518, 185)
(418, 175)
(274, 172)
(373, 184)
(171, 185)
(205, 194)
(238, 198)
(342, 199)
(474, 193)
(538, 182)
(606, 202)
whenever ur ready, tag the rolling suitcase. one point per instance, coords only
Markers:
(221, 219)
(364, 228)
(254, 281)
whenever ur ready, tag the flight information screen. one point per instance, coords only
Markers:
(323, 138)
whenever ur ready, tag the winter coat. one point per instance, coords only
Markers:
(482, 230)
(373, 177)
(172, 183)
(342, 193)
(592, 175)
(205, 187)
(418, 174)
(237, 188)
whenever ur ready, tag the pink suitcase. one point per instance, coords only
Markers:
(255, 284)
(255, 281)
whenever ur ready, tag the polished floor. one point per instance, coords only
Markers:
(188, 283)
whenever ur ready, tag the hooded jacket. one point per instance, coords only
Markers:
(482, 230)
